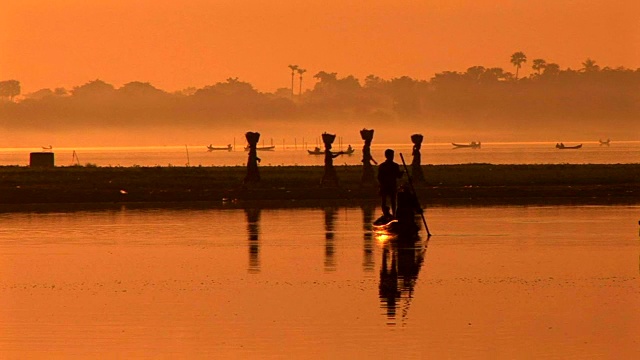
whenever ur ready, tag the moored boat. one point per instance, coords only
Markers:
(215, 148)
(471, 145)
(318, 151)
(562, 146)
(262, 148)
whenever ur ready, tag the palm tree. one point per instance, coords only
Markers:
(301, 71)
(517, 59)
(538, 65)
(590, 66)
(551, 69)
(293, 74)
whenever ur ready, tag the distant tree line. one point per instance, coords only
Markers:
(480, 96)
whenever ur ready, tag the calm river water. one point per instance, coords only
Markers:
(315, 283)
(195, 155)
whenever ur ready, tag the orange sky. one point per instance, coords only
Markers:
(174, 44)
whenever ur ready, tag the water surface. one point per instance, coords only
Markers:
(493, 282)
(441, 153)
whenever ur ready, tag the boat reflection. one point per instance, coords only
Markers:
(253, 231)
(330, 214)
(402, 259)
(367, 228)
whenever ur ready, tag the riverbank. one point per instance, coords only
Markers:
(446, 184)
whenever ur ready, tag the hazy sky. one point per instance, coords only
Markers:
(174, 44)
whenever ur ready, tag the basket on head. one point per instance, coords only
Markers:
(416, 139)
(366, 134)
(328, 138)
(252, 137)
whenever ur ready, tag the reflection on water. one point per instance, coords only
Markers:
(330, 214)
(367, 229)
(253, 229)
(402, 259)
(151, 282)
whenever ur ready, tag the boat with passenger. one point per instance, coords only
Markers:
(318, 151)
(407, 216)
(562, 146)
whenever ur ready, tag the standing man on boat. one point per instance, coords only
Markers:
(388, 173)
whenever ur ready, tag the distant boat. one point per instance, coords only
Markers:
(562, 146)
(214, 148)
(472, 145)
(607, 142)
(47, 147)
(263, 148)
(318, 151)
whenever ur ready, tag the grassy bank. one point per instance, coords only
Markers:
(446, 184)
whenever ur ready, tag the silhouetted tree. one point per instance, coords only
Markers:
(96, 88)
(551, 69)
(372, 81)
(496, 74)
(293, 74)
(300, 72)
(538, 65)
(9, 88)
(325, 77)
(590, 66)
(517, 59)
(139, 89)
(60, 91)
(40, 94)
(475, 73)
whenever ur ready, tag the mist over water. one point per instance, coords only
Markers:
(291, 154)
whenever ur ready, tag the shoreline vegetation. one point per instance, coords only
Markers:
(483, 100)
(464, 184)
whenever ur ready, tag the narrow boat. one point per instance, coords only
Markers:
(318, 151)
(215, 148)
(407, 216)
(471, 145)
(262, 148)
(607, 142)
(392, 226)
(562, 146)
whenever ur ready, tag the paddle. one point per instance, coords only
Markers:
(424, 221)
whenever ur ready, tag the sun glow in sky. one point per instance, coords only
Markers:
(176, 44)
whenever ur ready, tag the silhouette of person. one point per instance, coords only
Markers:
(408, 208)
(388, 173)
(416, 168)
(330, 176)
(368, 176)
(252, 163)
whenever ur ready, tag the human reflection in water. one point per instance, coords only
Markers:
(253, 230)
(367, 227)
(330, 215)
(401, 263)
